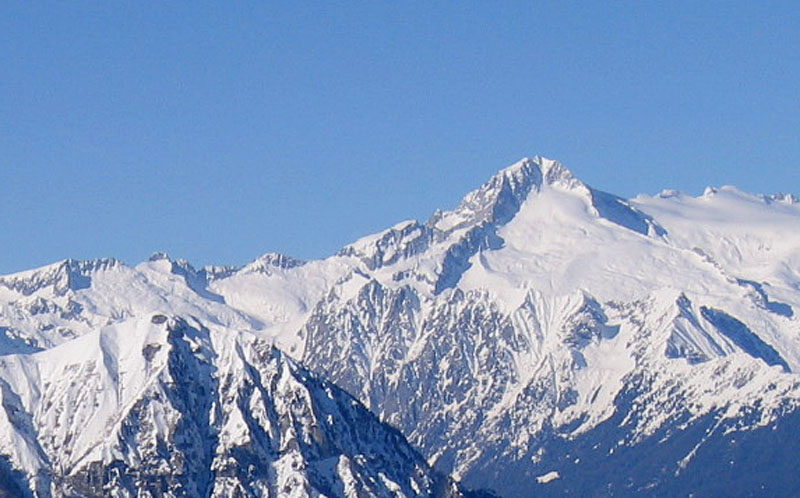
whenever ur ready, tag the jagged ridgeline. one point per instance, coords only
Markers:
(542, 338)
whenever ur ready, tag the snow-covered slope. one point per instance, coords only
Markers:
(541, 326)
(563, 309)
(168, 407)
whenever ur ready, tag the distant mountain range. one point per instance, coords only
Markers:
(544, 338)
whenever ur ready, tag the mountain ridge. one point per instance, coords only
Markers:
(172, 407)
(539, 324)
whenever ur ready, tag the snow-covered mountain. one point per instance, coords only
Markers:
(169, 407)
(542, 337)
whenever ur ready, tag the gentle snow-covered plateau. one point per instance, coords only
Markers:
(542, 338)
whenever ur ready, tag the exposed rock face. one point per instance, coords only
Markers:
(479, 390)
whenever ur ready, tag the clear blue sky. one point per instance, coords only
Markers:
(218, 133)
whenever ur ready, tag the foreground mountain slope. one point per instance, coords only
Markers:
(584, 341)
(168, 407)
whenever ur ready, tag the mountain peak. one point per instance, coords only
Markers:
(268, 262)
(62, 276)
(159, 256)
(541, 170)
(547, 171)
(495, 202)
(498, 200)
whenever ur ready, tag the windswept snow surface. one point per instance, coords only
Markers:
(542, 327)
